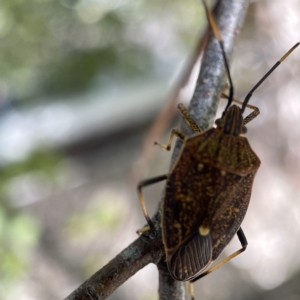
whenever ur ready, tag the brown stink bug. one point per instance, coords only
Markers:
(208, 188)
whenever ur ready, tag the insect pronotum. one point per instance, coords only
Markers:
(209, 186)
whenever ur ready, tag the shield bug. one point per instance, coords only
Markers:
(208, 188)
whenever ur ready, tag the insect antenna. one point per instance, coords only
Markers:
(267, 74)
(217, 34)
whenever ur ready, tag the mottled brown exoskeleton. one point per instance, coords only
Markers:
(208, 188)
(207, 193)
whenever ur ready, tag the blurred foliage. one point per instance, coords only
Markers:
(19, 232)
(101, 216)
(57, 46)
(75, 74)
(39, 160)
(53, 47)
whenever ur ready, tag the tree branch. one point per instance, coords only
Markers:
(230, 15)
(148, 248)
(144, 250)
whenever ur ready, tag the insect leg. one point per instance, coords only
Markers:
(191, 290)
(244, 243)
(142, 200)
(188, 118)
(252, 115)
(174, 131)
(191, 122)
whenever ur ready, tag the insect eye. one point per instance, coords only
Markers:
(218, 122)
(244, 129)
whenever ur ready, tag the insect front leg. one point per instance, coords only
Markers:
(244, 243)
(252, 115)
(191, 122)
(142, 200)
(174, 131)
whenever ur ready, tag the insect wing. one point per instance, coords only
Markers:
(191, 258)
(202, 197)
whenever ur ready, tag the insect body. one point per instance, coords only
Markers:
(207, 195)
(208, 188)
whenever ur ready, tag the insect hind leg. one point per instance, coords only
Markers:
(191, 290)
(244, 243)
(191, 122)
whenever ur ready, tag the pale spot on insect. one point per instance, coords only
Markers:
(200, 167)
(223, 173)
(203, 230)
(217, 243)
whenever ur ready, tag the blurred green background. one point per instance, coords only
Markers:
(81, 81)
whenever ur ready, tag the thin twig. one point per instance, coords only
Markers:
(148, 248)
